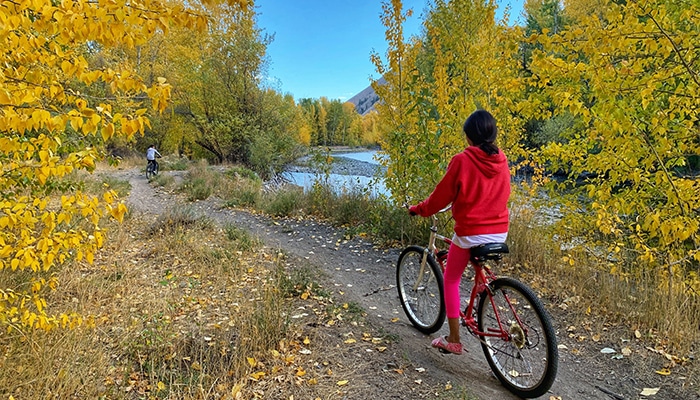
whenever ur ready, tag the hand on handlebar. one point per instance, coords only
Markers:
(411, 209)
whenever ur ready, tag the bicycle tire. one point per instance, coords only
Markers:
(526, 363)
(420, 292)
(151, 170)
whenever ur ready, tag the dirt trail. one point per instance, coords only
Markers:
(365, 274)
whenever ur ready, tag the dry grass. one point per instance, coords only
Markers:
(596, 299)
(184, 309)
(178, 309)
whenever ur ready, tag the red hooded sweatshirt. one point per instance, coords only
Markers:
(478, 186)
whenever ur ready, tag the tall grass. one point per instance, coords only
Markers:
(586, 287)
(178, 307)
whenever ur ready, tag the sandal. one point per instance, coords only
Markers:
(446, 347)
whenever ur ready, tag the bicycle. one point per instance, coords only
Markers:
(151, 169)
(504, 314)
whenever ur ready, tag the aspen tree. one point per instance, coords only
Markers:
(50, 126)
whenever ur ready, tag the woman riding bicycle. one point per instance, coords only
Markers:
(477, 184)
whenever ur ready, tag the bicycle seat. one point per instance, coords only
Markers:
(488, 251)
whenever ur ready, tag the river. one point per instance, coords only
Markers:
(350, 171)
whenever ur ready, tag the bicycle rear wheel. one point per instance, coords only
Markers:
(526, 363)
(420, 289)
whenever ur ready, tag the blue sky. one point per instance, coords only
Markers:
(322, 47)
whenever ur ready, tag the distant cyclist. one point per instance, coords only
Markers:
(151, 155)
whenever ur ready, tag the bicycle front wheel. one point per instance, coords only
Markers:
(526, 361)
(419, 281)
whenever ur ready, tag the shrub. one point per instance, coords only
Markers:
(284, 203)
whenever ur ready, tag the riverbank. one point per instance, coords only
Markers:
(345, 161)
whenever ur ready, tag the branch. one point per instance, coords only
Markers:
(693, 75)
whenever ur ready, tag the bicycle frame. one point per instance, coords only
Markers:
(482, 277)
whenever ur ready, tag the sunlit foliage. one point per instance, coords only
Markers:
(56, 108)
(602, 94)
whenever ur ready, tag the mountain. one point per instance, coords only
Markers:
(365, 100)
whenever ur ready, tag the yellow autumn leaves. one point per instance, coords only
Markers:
(607, 100)
(57, 105)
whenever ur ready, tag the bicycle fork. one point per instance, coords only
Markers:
(423, 261)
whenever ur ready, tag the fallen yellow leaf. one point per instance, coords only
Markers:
(663, 371)
(257, 375)
(236, 389)
(342, 383)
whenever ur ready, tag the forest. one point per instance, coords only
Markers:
(598, 105)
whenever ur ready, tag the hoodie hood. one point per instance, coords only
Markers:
(489, 165)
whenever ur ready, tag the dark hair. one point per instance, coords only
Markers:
(481, 129)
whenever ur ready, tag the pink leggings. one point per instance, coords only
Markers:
(457, 260)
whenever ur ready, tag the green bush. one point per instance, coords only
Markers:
(163, 180)
(320, 199)
(284, 203)
(198, 189)
(238, 172)
(200, 182)
(173, 163)
(350, 208)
